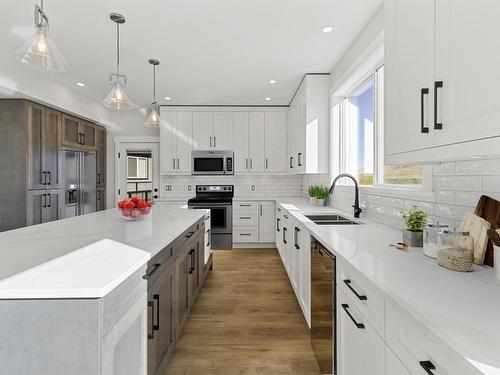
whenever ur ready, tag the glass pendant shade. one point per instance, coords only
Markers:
(153, 118)
(118, 98)
(41, 53)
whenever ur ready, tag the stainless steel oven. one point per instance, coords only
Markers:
(212, 162)
(219, 199)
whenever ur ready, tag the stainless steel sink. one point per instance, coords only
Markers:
(330, 220)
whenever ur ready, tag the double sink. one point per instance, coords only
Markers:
(331, 220)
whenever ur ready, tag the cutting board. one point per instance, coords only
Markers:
(489, 209)
(478, 230)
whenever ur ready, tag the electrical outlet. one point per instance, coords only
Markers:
(253, 187)
(168, 188)
(189, 187)
(301, 187)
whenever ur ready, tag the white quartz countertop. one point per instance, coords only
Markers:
(59, 246)
(462, 308)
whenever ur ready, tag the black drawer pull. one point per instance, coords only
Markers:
(277, 224)
(48, 173)
(437, 125)
(245, 234)
(423, 128)
(284, 236)
(189, 234)
(345, 306)
(360, 296)
(296, 238)
(151, 334)
(148, 275)
(156, 327)
(44, 178)
(245, 218)
(191, 253)
(245, 205)
(427, 366)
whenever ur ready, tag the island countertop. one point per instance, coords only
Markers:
(23, 250)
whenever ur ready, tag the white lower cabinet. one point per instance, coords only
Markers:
(360, 349)
(266, 222)
(253, 222)
(393, 366)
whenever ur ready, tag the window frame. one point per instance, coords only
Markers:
(137, 158)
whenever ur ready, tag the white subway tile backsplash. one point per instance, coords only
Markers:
(458, 183)
(478, 167)
(467, 198)
(443, 169)
(452, 212)
(445, 196)
(491, 183)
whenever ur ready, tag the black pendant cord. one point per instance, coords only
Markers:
(154, 83)
(117, 48)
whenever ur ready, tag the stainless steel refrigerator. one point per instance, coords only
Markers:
(80, 183)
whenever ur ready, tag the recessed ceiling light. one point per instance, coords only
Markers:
(168, 98)
(81, 84)
(268, 99)
(327, 29)
(272, 81)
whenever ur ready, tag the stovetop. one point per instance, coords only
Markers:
(213, 194)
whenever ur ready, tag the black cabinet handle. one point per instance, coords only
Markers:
(360, 296)
(291, 161)
(437, 125)
(427, 366)
(277, 224)
(48, 173)
(49, 200)
(44, 200)
(149, 274)
(296, 238)
(189, 234)
(83, 138)
(191, 253)
(151, 334)
(284, 236)
(44, 178)
(156, 326)
(299, 159)
(423, 128)
(98, 178)
(245, 234)
(345, 306)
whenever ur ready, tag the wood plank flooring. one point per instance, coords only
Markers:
(246, 321)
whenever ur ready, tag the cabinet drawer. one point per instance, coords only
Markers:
(246, 205)
(417, 347)
(242, 218)
(245, 235)
(364, 295)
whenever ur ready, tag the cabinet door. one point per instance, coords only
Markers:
(241, 141)
(275, 141)
(393, 366)
(256, 137)
(37, 176)
(88, 135)
(360, 349)
(409, 68)
(52, 156)
(305, 273)
(168, 142)
(183, 139)
(101, 156)
(290, 137)
(223, 131)
(202, 270)
(299, 129)
(194, 271)
(203, 130)
(467, 104)
(54, 205)
(295, 258)
(101, 199)
(71, 131)
(183, 266)
(35, 207)
(266, 222)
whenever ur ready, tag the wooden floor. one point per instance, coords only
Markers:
(246, 321)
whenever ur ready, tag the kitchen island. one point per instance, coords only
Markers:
(99, 293)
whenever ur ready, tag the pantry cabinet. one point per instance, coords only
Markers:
(176, 142)
(439, 96)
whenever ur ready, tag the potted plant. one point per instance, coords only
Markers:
(416, 221)
(318, 195)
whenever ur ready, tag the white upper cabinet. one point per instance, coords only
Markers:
(275, 142)
(256, 147)
(241, 142)
(308, 126)
(223, 131)
(441, 76)
(175, 142)
(203, 126)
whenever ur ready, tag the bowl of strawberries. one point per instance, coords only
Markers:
(134, 207)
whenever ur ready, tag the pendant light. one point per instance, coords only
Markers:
(40, 52)
(153, 118)
(118, 98)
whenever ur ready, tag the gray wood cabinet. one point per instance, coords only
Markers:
(101, 199)
(101, 156)
(44, 206)
(78, 134)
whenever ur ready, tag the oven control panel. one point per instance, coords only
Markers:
(214, 188)
(229, 165)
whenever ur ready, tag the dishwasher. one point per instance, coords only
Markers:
(323, 307)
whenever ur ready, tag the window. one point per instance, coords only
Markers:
(358, 116)
(137, 167)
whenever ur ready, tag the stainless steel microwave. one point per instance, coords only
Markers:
(212, 162)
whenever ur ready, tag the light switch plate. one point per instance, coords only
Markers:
(168, 188)
(189, 187)
(253, 187)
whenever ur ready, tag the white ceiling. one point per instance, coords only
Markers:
(211, 51)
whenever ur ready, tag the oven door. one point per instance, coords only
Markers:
(221, 216)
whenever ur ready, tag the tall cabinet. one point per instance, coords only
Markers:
(440, 97)
(32, 139)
